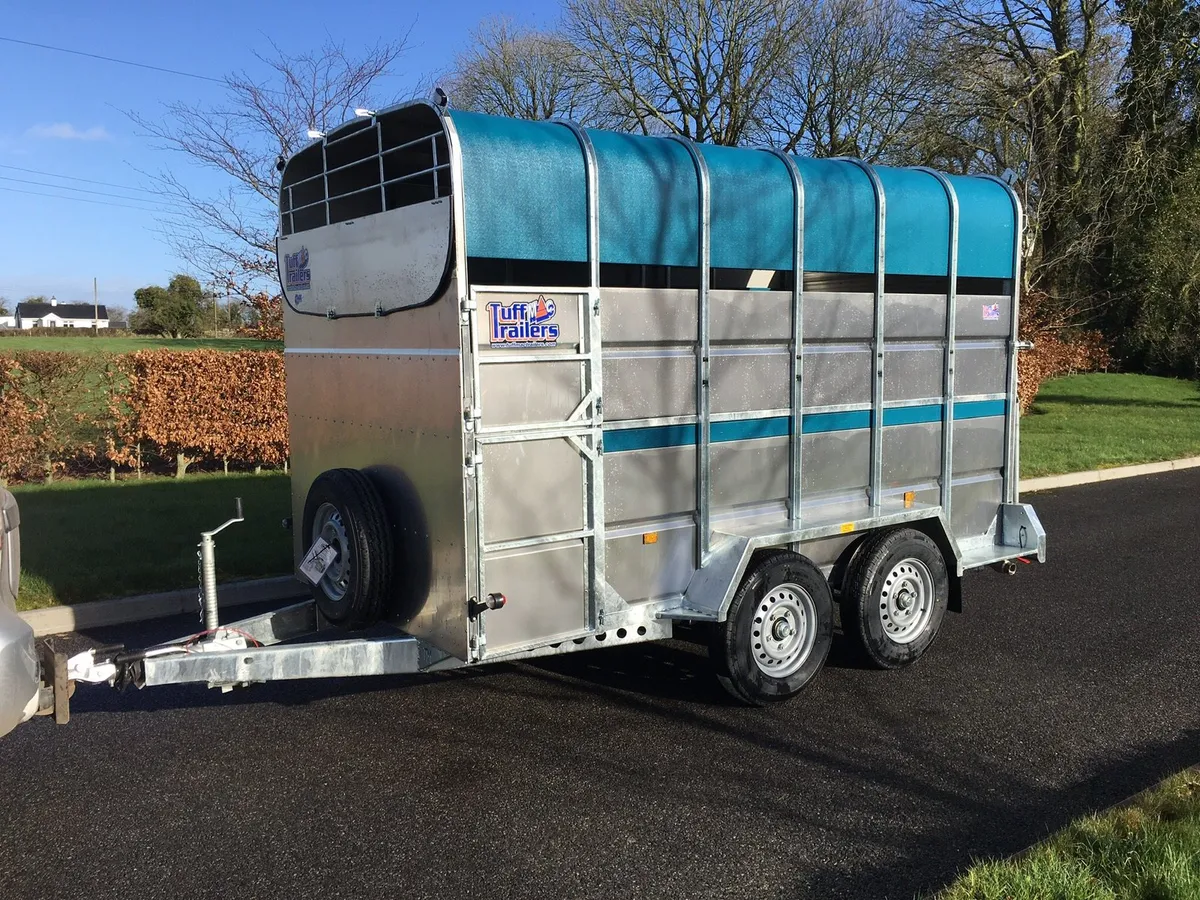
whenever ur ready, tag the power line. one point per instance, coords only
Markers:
(124, 187)
(85, 200)
(69, 187)
(123, 62)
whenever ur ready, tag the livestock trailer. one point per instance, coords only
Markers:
(553, 388)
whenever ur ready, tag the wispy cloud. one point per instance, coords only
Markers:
(65, 131)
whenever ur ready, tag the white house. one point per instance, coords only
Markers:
(8, 321)
(61, 315)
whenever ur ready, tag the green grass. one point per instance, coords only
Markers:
(1148, 850)
(88, 540)
(1085, 422)
(84, 344)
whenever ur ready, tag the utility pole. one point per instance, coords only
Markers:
(95, 306)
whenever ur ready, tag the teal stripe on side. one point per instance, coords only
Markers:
(979, 409)
(652, 438)
(658, 436)
(820, 423)
(912, 415)
(750, 429)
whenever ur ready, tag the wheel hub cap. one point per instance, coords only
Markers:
(328, 526)
(906, 601)
(784, 630)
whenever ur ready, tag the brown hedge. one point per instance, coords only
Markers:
(21, 418)
(89, 412)
(201, 405)
(1058, 348)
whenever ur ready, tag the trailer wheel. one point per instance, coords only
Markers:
(895, 598)
(779, 630)
(345, 510)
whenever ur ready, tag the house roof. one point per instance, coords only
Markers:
(62, 310)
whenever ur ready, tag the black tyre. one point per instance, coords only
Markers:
(895, 598)
(344, 508)
(779, 630)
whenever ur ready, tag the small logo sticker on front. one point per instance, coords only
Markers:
(991, 312)
(523, 324)
(297, 274)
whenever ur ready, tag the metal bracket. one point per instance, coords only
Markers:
(57, 687)
(583, 448)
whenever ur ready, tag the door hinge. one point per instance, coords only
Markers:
(472, 462)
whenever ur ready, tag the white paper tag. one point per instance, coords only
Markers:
(319, 557)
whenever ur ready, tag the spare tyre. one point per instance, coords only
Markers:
(344, 510)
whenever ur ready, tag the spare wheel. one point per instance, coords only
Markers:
(345, 511)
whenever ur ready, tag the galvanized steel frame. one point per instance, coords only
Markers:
(876, 483)
(570, 430)
(1012, 461)
(795, 457)
(469, 369)
(593, 380)
(703, 400)
(350, 657)
(951, 325)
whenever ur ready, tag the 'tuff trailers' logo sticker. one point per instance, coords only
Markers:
(524, 324)
(297, 274)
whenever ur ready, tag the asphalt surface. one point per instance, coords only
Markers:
(626, 772)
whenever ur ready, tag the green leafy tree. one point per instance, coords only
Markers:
(1162, 283)
(173, 310)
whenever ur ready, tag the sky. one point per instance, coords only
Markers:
(64, 123)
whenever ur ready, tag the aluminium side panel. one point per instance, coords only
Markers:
(384, 394)
(533, 439)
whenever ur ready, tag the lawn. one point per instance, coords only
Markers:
(1085, 422)
(127, 344)
(90, 539)
(1147, 850)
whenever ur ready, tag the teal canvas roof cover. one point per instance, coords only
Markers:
(525, 197)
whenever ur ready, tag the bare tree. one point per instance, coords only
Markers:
(229, 236)
(514, 70)
(858, 80)
(698, 68)
(1036, 77)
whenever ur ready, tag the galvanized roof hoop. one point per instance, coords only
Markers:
(593, 377)
(795, 459)
(877, 346)
(472, 400)
(1012, 410)
(703, 412)
(948, 354)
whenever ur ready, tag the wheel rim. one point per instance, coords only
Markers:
(328, 524)
(906, 601)
(785, 629)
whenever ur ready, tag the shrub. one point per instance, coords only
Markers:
(1058, 349)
